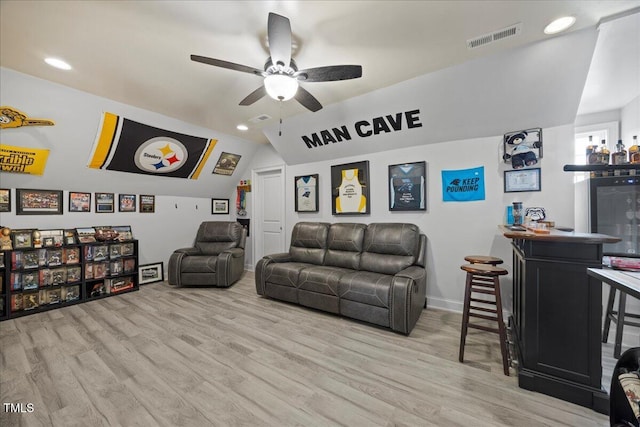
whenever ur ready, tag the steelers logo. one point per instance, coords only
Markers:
(161, 155)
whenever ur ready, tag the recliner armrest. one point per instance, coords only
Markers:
(408, 293)
(235, 252)
(188, 251)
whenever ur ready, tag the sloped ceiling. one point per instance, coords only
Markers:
(137, 52)
(538, 85)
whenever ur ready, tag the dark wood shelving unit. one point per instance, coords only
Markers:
(600, 168)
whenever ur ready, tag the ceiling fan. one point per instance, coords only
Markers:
(281, 74)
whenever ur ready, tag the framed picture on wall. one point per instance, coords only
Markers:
(147, 203)
(5, 200)
(350, 189)
(226, 164)
(520, 180)
(306, 191)
(79, 202)
(104, 202)
(38, 202)
(407, 187)
(523, 148)
(219, 206)
(127, 203)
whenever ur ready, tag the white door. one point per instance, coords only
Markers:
(268, 195)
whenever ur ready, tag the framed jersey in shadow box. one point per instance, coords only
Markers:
(407, 187)
(306, 193)
(350, 188)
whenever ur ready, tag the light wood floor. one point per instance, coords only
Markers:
(206, 357)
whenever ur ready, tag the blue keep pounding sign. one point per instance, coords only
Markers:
(463, 185)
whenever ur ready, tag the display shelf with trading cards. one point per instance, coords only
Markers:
(48, 269)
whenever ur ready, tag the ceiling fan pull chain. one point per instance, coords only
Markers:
(280, 126)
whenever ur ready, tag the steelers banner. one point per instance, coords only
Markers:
(127, 146)
(23, 160)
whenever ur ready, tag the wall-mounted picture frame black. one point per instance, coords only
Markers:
(350, 189)
(79, 202)
(105, 202)
(5, 200)
(219, 206)
(306, 193)
(38, 202)
(127, 203)
(147, 203)
(407, 187)
(522, 180)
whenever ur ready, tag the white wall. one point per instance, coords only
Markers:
(630, 122)
(172, 226)
(453, 229)
(77, 116)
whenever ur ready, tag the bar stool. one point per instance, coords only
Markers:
(483, 259)
(619, 317)
(484, 279)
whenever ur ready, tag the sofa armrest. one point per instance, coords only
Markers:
(281, 257)
(262, 265)
(408, 293)
(234, 252)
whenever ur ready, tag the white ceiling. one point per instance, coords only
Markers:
(137, 52)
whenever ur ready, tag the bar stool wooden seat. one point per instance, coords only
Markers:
(484, 279)
(483, 259)
(620, 317)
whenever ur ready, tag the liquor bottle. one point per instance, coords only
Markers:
(620, 156)
(604, 153)
(592, 152)
(634, 151)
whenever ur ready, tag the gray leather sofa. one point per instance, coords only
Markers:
(374, 273)
(216, 259)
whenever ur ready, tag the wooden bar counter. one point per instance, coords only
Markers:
(557, 314)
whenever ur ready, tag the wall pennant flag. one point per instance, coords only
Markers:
(23, 160)
(127, 146)
(463, 185)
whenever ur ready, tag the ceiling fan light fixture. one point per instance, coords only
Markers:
(559, 25)
(280, 87)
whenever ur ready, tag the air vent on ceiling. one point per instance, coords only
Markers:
(510, 31)
(260, 118)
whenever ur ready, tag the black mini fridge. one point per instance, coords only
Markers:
(615, 210)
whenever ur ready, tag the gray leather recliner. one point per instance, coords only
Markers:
(216, 259)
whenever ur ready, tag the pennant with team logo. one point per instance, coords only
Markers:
(463, 185)
(127, 146)
(23, 160)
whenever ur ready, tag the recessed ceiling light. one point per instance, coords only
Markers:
(242, 127)
(58, 63)
(560, 25)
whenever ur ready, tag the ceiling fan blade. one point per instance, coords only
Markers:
(254, 96)
(330, 73)
(227, 64)
(279, 34)
(307, 100)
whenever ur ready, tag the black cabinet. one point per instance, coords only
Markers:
(556, 322)
(40, 279)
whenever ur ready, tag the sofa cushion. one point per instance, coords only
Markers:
(309, 242)
(321, 279)
(284, 273)
(390, 247)
(365, 287)
(344, 245)
(198, 264)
